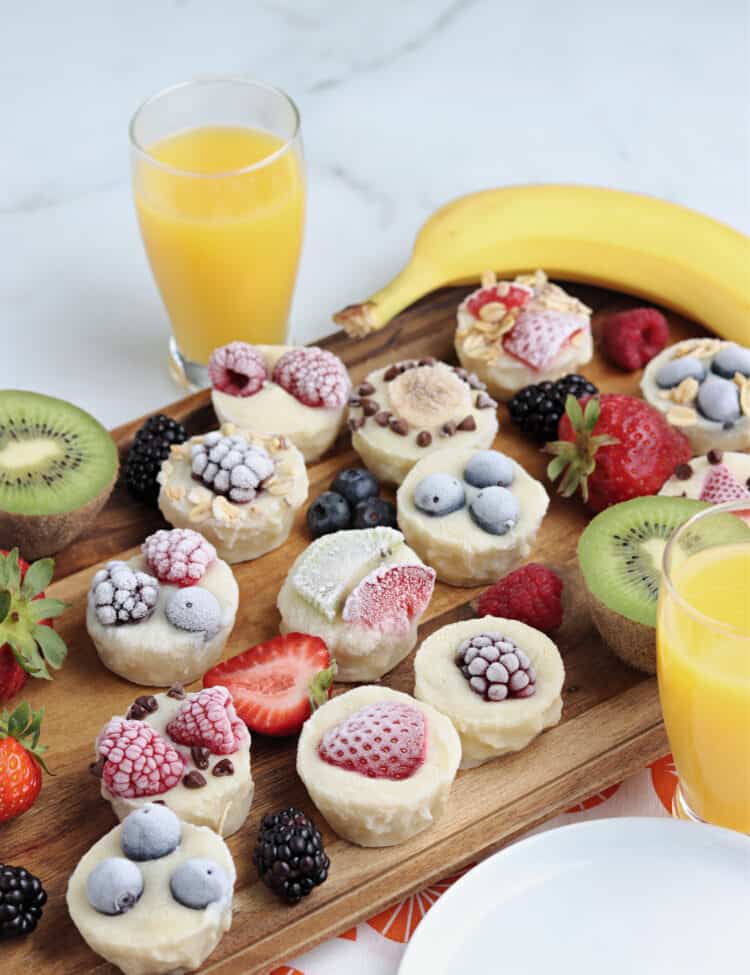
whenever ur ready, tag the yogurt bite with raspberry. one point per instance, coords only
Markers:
(299, 392)
(164, 615)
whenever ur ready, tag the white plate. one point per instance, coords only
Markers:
(609, 897)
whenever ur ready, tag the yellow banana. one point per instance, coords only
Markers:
(638, 244)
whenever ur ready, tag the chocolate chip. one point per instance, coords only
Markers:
(460, 372)
(136, 713)
(484, 401)
(366, 389)
(428, 360)
(200, 756)
(355, 422)
(448, 429)
(370, 407)
(424, 438)
(97, 768)
(224, 767)
(468, 423)
(401, 427)
(683, 472)
(193, 780)
(354, 402)
(391, 373)
(748, 482)
(714, 456)
(148, 702)
(158, 802)
(177, 691)
(382, 418)
(474, 381)
(407, 364)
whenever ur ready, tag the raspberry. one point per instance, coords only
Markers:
(515, 296)
(389, 598)
(208, 720)
(313, 376)
(495, 667)
(632, 338)
(237, 369)
(139, 762)
(179, 556)
(382, 741)
(539, 334)
(531, 595)
(231, 466)
(721, 485)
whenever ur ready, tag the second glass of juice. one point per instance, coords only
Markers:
(219, 185)
(703, 664)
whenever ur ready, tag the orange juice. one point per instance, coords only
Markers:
(221, 213)
(704, 681)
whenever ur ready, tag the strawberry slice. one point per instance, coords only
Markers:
(276, 685)
(390, 597)
(721, 485)
(514, 297)
(539, 334)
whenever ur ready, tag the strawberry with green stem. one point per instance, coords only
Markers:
(21, 760)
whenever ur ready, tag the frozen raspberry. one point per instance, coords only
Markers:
(382, 741)
(515, 296)
(138, 761)
(231, 466)
(179, 557)
(531, 594)
(495, 667)
(721, 485)
(539, 334)
(208, 720)
(121, 595)
(389, 598)
(313, 376)
(237, 369)
(632, 338)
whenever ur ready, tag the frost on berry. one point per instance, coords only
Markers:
(179, 557)
(120, 594)
(138, 761)
(314, 376)
(390, 597)
(237, 369)
(495, 667)
(387, 740)
(207, 719)
(540, 333)
(721, 485)
(231, 466)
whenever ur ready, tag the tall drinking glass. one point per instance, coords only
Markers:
(703, 664)
(219, 185)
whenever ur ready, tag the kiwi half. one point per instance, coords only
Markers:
(620, 554)
(58, 466)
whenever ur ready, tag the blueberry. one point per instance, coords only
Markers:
(114, 886)
(495, 510)
(150, 832)
(194, 609)
(355, 484)
(329, 512)
(374, 512)
(197, 883)
(439, 494)
(719, 400)
(488, 467)
(730, 359)
(675, 371)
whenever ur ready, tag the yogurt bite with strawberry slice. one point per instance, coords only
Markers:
(515, 333)
(715, 477)
(300, 392)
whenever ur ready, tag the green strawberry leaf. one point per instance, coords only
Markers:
(574, 411)
(12, 572)
(28, 656)
(593, 411)
(46, 609)
(19, 719)
(320, 684)
(25, 726)
(5, 602)
(52, 645)
(556, 467)
(38, 577)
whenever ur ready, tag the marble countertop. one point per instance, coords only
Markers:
(404, 106)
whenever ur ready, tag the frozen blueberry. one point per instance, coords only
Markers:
(488, 467)
(675, 371)
(194, 609)
(439, 494)
(373, 512)
(731, 359)
(150, 832)
(495, 510)
(355, 484)
(114, 886)
(329, 512)
(719, 400)
(196, 883)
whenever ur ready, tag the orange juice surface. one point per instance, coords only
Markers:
(704, 682)
(223, 244)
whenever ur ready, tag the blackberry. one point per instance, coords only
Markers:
(289, 854)
(22, 898)
(149, 448)
(536, 410)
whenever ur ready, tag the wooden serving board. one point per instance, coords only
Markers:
(611, 724)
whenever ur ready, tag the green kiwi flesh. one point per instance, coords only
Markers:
(57, 468)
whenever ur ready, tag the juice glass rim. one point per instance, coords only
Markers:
(728, 507)
(212, 80)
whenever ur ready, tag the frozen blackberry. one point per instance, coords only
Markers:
(289, 854)
(495, 667)
(120, 594)
(537, 409)
(231, 466)
(150, 447)
(22, 898)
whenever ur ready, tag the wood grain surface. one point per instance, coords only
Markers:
(611, 723)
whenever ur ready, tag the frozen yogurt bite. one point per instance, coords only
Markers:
(716, 477)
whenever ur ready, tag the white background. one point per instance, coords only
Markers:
(405, 104)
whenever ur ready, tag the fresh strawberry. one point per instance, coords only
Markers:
(515, 296)
(137, 761)
(390, 598)
(539, 334)
(313, 376)
(27, 641)
(208, 720)
(620, 448)
(237, 369)
(531, 594)
(178, 556)
(382, 741)
(21, 761)
(276, 685)
(632, 338)
(721, 485)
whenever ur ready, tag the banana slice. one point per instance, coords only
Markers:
(427, 397)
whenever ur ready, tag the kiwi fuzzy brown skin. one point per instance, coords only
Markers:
(631, 641)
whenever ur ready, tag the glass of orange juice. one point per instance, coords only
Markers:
(703, 664)
(219, 185)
